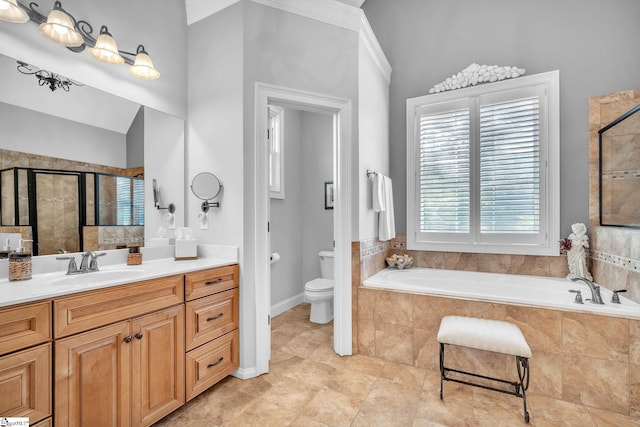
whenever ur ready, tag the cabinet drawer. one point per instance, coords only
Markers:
(25, 384)
(24, 326)
(210, 317)
(44, 423)
(92, 309)
(208, 364)
(202, 283)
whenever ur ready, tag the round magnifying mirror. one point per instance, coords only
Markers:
(206, 186)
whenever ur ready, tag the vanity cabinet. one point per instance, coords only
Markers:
(25, 361)
(212, 313)
(114, 364)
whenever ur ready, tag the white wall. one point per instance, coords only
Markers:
(37, 133)
(164, 161)
(135, 141)
(592, 42)
(373, 85)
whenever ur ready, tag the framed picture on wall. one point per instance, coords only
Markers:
(328, 195)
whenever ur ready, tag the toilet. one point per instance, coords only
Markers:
(319, 292)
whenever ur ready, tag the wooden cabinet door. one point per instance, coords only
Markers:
(25, 384)
(92, 373)
(157, 365)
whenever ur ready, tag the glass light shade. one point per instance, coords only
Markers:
(11, 12)
(106, 49)
(60, 27)
(143, 67)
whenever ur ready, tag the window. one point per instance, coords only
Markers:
(130, 200)
(483, 168)
(276, 152)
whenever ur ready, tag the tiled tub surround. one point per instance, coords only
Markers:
(112, 236)
(577, 357)
(615, 251)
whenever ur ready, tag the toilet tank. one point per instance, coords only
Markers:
(326, 264)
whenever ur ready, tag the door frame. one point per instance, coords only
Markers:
(341, 111)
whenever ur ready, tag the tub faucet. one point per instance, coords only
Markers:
(595, 289)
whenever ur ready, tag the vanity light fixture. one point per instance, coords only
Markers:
(143, 66)
(106, 49)
(61, 27)
(54, 81)
(11, 12)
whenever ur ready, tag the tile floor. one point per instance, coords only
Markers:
(309, 385)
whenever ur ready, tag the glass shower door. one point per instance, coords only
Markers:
(57, 212)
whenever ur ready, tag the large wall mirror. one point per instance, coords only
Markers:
(619, 146)
(73, 164)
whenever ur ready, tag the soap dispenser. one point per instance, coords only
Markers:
(6, 249)
(20, 263)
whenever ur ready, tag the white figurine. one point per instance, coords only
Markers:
(577, 255)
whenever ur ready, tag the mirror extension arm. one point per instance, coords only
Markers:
(156, 198)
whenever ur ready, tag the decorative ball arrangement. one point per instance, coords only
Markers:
(475, 73)
(400, 261)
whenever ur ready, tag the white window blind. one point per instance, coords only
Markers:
(444, 170)
(123, 194)
(483, 168)
(510, 166)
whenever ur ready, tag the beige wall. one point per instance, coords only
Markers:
(615, 251)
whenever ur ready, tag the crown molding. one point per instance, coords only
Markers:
(370, 42)
(197, 10)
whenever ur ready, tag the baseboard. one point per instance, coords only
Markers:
(287, 304)
(246, 373)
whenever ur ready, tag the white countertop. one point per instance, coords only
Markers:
(55, 284)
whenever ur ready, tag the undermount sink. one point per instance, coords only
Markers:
(100, 276)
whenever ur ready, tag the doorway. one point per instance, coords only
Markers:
(340, 111)
(301, 207)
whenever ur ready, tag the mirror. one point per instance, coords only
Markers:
(206, 186)
(156, 199)
(619, 144)
(83, 130)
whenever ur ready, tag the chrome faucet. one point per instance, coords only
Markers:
(595, 289)
(88, 264)
(89, 261)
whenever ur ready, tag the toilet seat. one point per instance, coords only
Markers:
(319, 285)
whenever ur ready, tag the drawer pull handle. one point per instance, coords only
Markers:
(209, 319)
(127, 339)
(211, 365)
(214, 282)
(139, 335)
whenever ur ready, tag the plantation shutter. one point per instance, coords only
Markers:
(444, 170)
(138, 201)
(123, 194)
(509, 166)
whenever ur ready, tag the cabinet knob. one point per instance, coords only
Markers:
(211, 365)
(127, 339)
(139, 335)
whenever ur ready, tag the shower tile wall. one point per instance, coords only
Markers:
(615, 251)
(111, 237)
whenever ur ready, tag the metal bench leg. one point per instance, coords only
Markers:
(522, 363)
(441, 368)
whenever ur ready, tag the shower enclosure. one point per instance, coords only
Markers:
(57, 204)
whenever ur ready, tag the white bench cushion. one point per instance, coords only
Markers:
(483, 334)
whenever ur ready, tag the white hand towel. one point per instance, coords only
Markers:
(378, 193)
(386, 220)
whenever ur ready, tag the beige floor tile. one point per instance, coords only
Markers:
(308, 385)
(332, 408)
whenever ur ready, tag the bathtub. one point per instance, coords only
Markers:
(546, 292)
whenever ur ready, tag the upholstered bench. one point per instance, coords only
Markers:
(489, 335)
